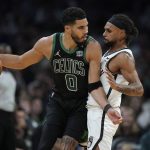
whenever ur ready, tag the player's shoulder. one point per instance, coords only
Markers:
(93, 49)
(125, 55)
(45, 42)
(92, 42)
(47, 39)
(125, 52)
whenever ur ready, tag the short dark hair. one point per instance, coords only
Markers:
(123, 21)
(71, 14)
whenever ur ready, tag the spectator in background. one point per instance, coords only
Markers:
(145, 141)
(7, 105)
(36, 111)
(128, 133)
(144, 117)
(21, 129)
(129, 127)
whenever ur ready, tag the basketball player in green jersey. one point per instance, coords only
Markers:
(75, 60)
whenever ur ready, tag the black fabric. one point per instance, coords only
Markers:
(102, 131)
(103, 117)
(70, 70)
(36, 137)
(106, 108)
(110, 89)
(124, 22)
(102, 125)
(7, 131)
(93, 86)
(63, 119)
(118, 23)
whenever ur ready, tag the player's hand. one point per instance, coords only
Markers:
(1, 68)
(111, 79)
(114, 116)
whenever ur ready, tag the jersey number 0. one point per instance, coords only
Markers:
(71, 82)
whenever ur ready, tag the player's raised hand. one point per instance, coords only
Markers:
(114, 116)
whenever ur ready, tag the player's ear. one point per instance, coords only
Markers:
(122, 33)
(67, 28)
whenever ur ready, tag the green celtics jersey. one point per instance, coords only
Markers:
(70, 69)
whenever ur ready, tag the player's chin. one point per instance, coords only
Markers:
(106, 41)
(83, 39)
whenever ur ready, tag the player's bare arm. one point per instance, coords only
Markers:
(41, 49)
(94, 54)
(126, 66)
(93, 57)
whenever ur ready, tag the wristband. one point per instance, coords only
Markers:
(106, 108)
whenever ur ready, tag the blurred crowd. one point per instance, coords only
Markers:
(24, 22)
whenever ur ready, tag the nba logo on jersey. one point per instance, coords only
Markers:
(79, 53)
(90, 142)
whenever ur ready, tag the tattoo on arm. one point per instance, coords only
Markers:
(133, 89)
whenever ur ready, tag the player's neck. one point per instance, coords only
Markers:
(68, 42)
(117, 47)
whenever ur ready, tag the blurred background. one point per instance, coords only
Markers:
(23, 22)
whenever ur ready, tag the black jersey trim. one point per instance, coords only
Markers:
(103, 120)
(121, 51)
(53, 46)
(102, 131)
(110, 89)
(106, 54)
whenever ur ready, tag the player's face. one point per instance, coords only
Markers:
(112, 34)
(79, 30)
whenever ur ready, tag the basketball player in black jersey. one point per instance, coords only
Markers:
(75, 60)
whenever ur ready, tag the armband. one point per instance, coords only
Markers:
(93, 86)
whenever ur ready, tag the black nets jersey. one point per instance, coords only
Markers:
(70, 69)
